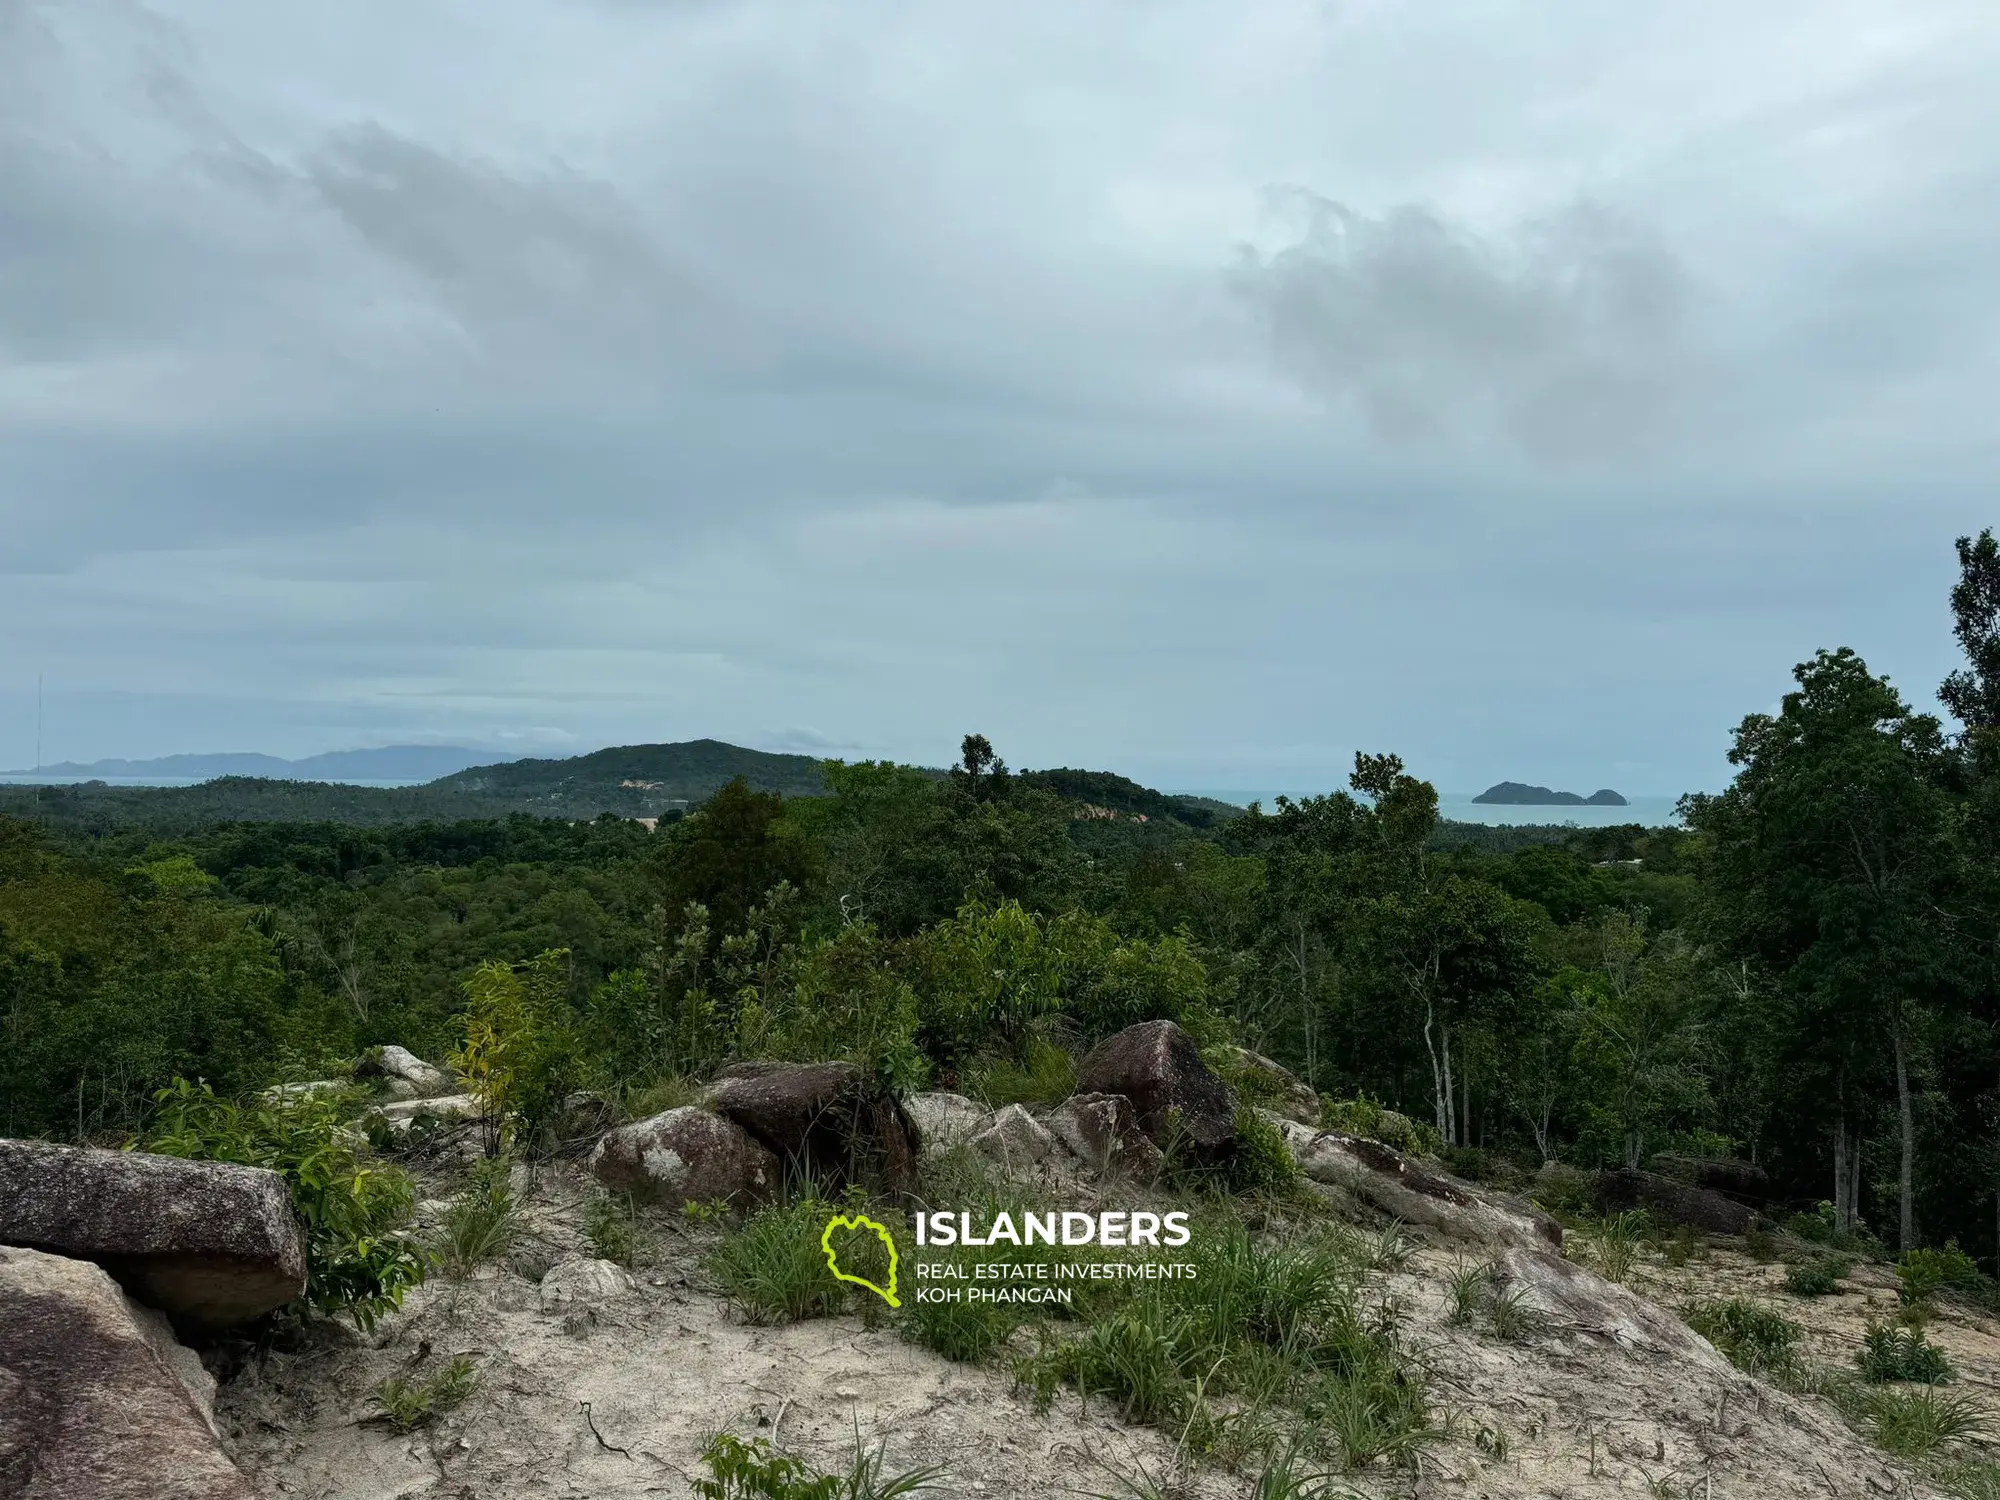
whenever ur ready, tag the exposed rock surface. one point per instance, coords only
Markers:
(943, 1120)
(1016, 1140)
(208, 1243)
(585, 1283)
(1277, 1088)
(1567, 1298)
(1181, 1104)
(1390, 1182)
(821, 1118)
(402, 1113)
(1103, 1130)
(1719, 1174)
(686, 1155)
(91, 1407)
(1675, 1202)
(408, 1075)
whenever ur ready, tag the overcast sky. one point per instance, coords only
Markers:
(1199, 390)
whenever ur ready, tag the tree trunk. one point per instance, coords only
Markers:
(1843, 1209)
(1438, 1094)
(1906, 1226)
(1450, 1126)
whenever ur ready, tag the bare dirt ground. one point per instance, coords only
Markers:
(612, 1394)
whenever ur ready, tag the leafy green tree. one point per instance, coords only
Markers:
(1829, 859)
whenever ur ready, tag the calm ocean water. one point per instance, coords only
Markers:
(1458, 807)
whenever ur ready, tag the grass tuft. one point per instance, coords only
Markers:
(480, 1224)
(410, 1404)
(1819, 1277)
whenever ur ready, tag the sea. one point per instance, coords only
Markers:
(24, 778)
(1458, 807)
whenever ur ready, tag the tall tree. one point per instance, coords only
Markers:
(1829, 860)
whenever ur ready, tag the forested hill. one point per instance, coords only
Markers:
(631, 781)
(639, 780)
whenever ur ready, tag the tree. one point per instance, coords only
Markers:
(1972, 693)
(1829, 859)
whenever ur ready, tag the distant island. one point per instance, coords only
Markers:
(1519, 794)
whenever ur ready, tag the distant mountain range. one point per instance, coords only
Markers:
(390, 763)
(1520, 794)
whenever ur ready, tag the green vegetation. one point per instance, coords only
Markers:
(480, 1223)
(1794, 977)
(1901, 1354)
(1753, 1337)
(358, 1262)
(756, 1471)
(1819, 1277)
(408, 1404)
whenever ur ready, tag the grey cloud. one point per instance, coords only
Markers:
(1573, 337)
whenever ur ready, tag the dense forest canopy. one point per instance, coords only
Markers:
(1805, 974)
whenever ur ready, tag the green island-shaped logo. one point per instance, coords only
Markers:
(860, 1221)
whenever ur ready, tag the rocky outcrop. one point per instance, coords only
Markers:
(1103, 1131)
(1182, 1106)
(1565, 1298)
(406, 1112)
(1671, 1201)
(1719, 1174)
(943, 1120)
(686, 1155)
(1391, 1183)
(1276, 1088)
(207, 1243)
(1016, 1140)
(90, 1406)
(407, 1075)
(821, 1119)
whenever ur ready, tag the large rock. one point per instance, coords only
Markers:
(1564, 1298)
(1276, 1088)
(1016, 1140)
(408, 1075)
(1182, 1106)
(208, 1243)
(404, 1113)
(95, 1399)
(1719, 1174)
(1103, 1130)
(821, 1119)
(943, 1120)
(1391, 1183)
(1671, 1201)
(686, 1155)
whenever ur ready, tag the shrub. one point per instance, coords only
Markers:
(408, 1404)
(357, 1260)
(1891, 1354)
(837, 998)
(480, 1222)
(1752, 1337)
(1263, 1163)
(1818, 1277)
(1364, 1116)
(1922, 1274)
(518, 1051)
